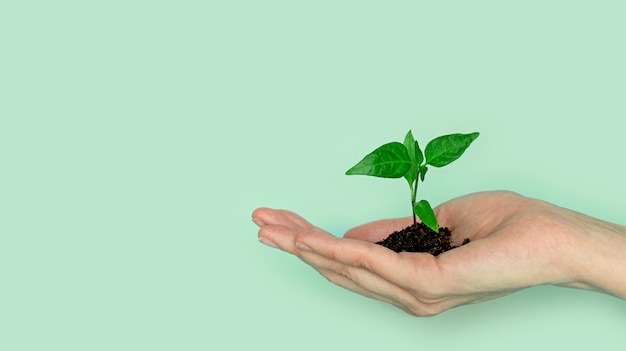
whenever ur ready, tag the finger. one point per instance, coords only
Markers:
(283, 235)
(359, 280)
(278, 236)
(295, 218)
(404, 270)
(264, 216)
(378, 230)
(348, 284)
(354, 279)
(368, 284)
(476, 215)
(412, 306)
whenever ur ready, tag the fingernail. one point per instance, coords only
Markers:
(258, 222)
(268, 242)
(304, 247)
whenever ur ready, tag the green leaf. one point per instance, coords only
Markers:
(409, 144)
(445, 149)
(388, 161)
(413, 149)
(410, 176)
(419, 157)
(423, 210)
(422, 172)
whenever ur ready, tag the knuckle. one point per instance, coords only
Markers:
(426, 304)
(347, 272)
(332, 276)
(423, 310)
(362, 262)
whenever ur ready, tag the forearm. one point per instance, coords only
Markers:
(600, 258)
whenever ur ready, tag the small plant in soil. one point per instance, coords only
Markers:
(406, 160)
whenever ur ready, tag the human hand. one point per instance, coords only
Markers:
(516, 242)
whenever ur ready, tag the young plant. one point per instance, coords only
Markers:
(397, 160)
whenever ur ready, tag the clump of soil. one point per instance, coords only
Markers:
(426, 240)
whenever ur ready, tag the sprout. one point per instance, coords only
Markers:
(396, 160)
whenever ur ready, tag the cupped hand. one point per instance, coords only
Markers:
(516, 242)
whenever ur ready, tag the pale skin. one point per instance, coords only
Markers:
(516, 242)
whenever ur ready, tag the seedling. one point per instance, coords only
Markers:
(397, 160)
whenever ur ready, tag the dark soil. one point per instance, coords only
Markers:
(426, 240)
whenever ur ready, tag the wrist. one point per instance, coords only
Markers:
(599, 259)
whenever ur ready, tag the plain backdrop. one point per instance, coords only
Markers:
(136, 138)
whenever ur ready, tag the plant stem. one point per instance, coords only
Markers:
(413, 200)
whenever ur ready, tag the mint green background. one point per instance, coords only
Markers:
(136, 137)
